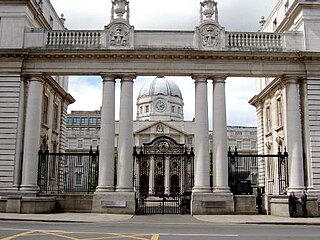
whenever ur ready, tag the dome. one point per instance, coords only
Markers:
(160, 86)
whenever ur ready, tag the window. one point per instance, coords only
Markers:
(179, 109)
(92, 120)
(78, 178)
(94, 143)
(172, 109)
(268, 120)
(76, 120)
(98, 120)
(253, 144)
(84, 120)
(51, 22)
(55, 117)
(141, 110)
(279, 112)
(275, 25)
(45, 109)
(79, 161)
(189, 140)
(80, 143)
(239, 145)
(286, 7)
(238, 133)
(69, 120)
(147, 108)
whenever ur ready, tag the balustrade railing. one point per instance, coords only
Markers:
(74, 39)
(258, 40)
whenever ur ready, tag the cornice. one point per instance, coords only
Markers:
(165, 55)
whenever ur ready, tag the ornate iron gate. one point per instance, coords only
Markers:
(163, 177)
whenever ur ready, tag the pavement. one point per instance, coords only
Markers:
(105, 218)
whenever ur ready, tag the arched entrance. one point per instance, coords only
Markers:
(168, 168)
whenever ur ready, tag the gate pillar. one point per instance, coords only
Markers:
(32, 136)
(294, 135)
(106, 173)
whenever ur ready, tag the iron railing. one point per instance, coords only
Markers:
(68, 172)
(243, 171)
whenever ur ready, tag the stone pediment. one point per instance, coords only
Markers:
(159, 128)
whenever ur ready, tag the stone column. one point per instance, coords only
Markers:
(220, 149)
(29, 182)
(125, 146)
(151, 177)
(107, 133)
(202, 158)
(294, 135)
(167, 176)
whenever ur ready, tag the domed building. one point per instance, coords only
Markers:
(162, 134)
(160, 100)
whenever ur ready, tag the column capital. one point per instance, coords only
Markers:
(34, 77)
(108, 76)
(128, 77)
(199, 77)
(218, 78)
(291, 79)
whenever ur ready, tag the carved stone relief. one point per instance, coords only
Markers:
(210, 36)
(119, 36)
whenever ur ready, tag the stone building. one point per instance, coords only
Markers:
(37, 54)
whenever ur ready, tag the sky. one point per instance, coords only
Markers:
(234, 15)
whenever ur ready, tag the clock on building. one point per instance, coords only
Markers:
(160, 105)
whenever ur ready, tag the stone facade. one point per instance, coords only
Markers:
(37, 54)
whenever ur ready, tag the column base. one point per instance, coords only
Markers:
(105, 189)
(296, 189)
(201, 190)
(124, 189)
(212, 203)
(114, 202)
(29, 190)
(221, 190)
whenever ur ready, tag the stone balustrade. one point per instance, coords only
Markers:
(83, 39)
(254, 40)
(73, 39)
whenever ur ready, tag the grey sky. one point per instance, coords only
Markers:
(234, 15)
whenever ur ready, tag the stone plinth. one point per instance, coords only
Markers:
(212, 203)
(245, 204)
(74, 202)
(31, 205)
(280, 207)
(114, 202)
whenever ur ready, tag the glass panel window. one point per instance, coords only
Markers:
(268, 119)
(92, 120)
(239, 145)
(98, 120)
(69, 120)
(84, 120)
(94, 143)
(253, 145)
(76, 120)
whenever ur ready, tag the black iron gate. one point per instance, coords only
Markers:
(243, 171)
(68, 172)
(163, 177)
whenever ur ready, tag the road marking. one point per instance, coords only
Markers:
(198, 235)
(18, 235)
(155, 237)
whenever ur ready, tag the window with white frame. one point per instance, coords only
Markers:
(78, 179)
(239, 144)
(45, 105)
